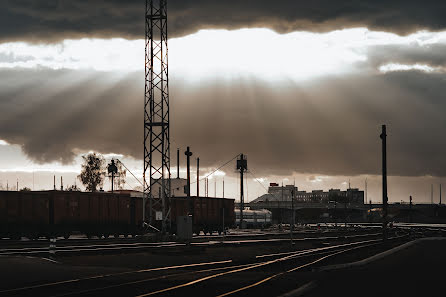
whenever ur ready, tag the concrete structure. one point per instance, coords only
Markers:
(177, 187)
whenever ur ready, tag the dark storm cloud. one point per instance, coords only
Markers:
(432, 55)
(50, 20)
(51, 114)
(330, 126)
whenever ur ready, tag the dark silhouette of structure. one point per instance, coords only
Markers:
(198, 177)
(156, 114)
(112, 170)
(242, 165)
(384, 177)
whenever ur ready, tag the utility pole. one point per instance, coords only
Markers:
(384, 177)
(281, 208)
(440, 194)
(178, 163)
(54, 182)
(61, 183)
(242, 165)
(293, 196)
(366, 190)
(410, 209)
(156, 115)
(432, 194)
(223, 187)
(188, 154)
(198, 177)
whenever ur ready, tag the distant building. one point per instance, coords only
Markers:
(279, 194)
(177, 186)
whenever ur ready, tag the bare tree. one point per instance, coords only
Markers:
(122, 172)
(93, 172)
(72, 188)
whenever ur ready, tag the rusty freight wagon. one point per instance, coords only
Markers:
(209, 214)
(59, 213)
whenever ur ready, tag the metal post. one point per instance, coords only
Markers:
(52, 249)
(188, 154)
(366, 190)
(198, 177)
(384, 179)
(336, 213)
(178, 163)
(242, 202)
(280, 208)
(224, 230)
(242, 165)
(293, 216)
(432, 194)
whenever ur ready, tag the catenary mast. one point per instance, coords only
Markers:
(156, 117)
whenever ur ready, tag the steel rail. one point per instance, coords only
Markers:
(293, 254)
(310, 252)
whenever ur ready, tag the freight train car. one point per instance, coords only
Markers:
(208, 214)
(58, 213)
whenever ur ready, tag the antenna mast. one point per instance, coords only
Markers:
(156, 116)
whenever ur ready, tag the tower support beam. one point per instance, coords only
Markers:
(156, 118)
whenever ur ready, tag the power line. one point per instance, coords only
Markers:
(130, 172)
(257, 180)
(217, 169)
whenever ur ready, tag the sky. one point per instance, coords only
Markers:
(301, 88)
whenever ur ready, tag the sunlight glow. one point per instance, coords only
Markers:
(402, 67)
(226, 54)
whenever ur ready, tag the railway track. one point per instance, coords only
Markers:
(122, 247)
(204, 279)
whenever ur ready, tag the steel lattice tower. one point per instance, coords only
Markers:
(156, 115)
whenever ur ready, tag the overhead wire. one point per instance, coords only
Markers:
(130, 172)
(216, 169)
(257, 180)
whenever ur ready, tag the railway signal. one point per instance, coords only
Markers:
(242, 165)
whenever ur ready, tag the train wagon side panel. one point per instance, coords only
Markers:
(60, 210)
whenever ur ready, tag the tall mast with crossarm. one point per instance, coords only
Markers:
(156, 210)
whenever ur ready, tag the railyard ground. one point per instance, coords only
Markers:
(416, 268)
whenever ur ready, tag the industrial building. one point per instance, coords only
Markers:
(279, 194)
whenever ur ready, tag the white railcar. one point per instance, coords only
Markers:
(254, 218)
